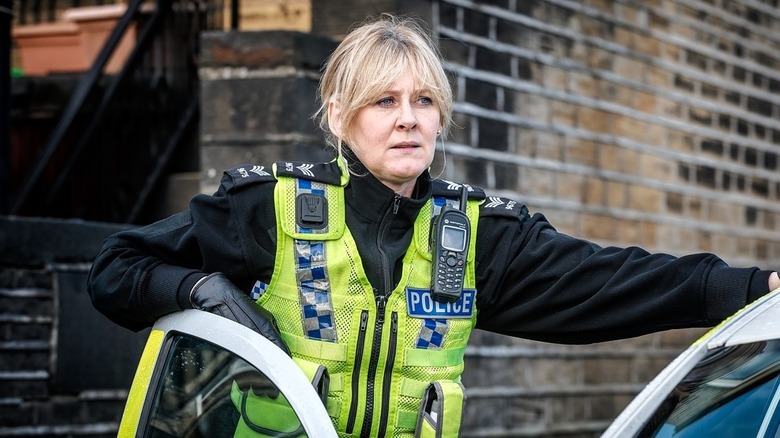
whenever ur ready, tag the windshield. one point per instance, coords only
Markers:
(206, 391)
(731, 392)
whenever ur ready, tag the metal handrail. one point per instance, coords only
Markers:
(85, 88)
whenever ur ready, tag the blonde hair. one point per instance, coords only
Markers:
(367, 62)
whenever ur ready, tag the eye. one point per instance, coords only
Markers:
(425, 100)
(385, 101)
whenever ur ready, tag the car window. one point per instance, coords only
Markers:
(205, 391)
(732, 391)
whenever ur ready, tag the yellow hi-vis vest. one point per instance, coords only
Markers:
(394, 362)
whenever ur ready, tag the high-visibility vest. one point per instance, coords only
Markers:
(394, 362)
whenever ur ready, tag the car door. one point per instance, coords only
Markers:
(194, 376)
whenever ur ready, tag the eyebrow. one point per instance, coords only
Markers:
(418, 91)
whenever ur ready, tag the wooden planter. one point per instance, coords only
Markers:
(72, 44)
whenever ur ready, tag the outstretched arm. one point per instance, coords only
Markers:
(537, 283)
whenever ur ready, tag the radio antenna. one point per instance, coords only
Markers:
(464, 197)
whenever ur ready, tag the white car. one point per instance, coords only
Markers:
(727, 384)
(191, 373)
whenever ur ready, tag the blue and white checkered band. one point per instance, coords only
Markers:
(316, 188)
(258, 290)
(314, 291)
(432, 333)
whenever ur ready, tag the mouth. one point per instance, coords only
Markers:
(406, 145)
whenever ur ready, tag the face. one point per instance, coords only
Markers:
(395, 136)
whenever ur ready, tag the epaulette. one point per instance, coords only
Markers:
(244, 174)
(498, 206)
(328, 173)
(449, 189)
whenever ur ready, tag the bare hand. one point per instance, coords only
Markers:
(774, 281)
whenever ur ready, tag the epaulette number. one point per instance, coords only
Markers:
(496, 205)
(248, 173)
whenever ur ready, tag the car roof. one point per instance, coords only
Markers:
(759, 321)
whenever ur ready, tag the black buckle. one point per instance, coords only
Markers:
(311, 211)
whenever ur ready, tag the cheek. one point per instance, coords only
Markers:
(361, 128)
(432, 124)
(367, 134)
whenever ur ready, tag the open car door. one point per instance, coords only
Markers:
(195, 372)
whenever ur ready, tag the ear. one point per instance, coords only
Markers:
(334, 118)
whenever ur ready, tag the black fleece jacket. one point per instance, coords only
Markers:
(532, 281)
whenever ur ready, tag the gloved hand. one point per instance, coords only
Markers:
(216, 294)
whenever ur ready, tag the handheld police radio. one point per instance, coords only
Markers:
(450, 233)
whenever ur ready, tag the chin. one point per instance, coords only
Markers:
(409, 174)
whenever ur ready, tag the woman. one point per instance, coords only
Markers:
(339, 254)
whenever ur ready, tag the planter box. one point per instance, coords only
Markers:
(50, 48)
(72, 45)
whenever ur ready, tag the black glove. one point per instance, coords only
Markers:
(216, 294)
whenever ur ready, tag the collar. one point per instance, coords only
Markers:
(371, 199)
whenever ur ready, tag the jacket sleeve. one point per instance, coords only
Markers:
(537, 283)
(144, 273)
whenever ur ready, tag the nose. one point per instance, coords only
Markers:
(407, 119)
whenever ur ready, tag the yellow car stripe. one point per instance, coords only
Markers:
(143, 376)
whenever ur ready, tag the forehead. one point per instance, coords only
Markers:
(383, 71)
(406, 81)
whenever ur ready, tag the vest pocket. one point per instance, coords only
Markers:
(265, 411)
(441, 410)
(264, 415)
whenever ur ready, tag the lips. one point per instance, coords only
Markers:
(406, 145)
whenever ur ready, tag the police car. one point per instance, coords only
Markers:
(727, 384)
(193, 371)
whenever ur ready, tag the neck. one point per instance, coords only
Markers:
(405, 189)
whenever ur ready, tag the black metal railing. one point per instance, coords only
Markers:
(121, 134)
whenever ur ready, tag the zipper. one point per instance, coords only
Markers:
(386, 267)
(373, 364)
(376, 345)
(388, 375)
(361, 340)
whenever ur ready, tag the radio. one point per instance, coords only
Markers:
(450, 234)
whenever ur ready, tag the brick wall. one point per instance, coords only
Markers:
(651, 123)
(645, 122)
